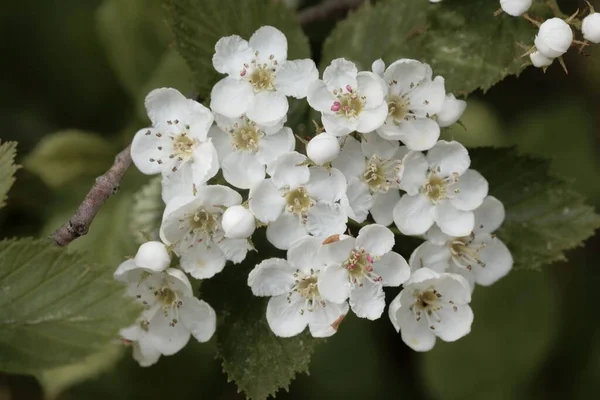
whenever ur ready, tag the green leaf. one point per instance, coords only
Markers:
(460, 39)
(198, 25)
(8, 152)
(515, 326)
(65, 156)
(146, 212)
(57, 308)
(544, 215)
(258, 361)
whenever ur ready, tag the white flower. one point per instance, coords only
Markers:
(373, 169)
(439, 189)
(298, 200)
(359, 268)
(554, 38)
(539, 60)
(430, 305)
(481, 257)
(296, 301)
(259, 76)
(451, 111)
(347, 99)
(238, 222)
(323, 148)
(171, 312)
(413, 97)
(177, 144)
(515, 7)
(590, 28)
(245, 148)
(193, 224)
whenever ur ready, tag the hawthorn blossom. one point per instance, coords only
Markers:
(430, 305)
(177, 144)
(439, 189)
(480, 257)
(357, 269)
(171, 312)
(295, 299)
(298, 200)
(245, 148)
(373, 169)
(348, 100)
(413, 98)
(259, 76)
(193, 225)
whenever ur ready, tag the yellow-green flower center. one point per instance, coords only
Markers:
(398, 107)
(246, 137)
(262, 78)
(205, 222)
(298, 201)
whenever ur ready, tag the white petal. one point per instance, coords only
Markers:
(285, 318)
(421, 275)
(413, 215)
(267, 108)
(336, 252)
(383, 206)
(272, 277)
(179, 183)
(334, 284)
(302, 254)
(373, 144)
(121, 273)
(454, 288)
(199, 119)
(147, 148)
(416, 334)
(451, 111)
(320, 97)
(375, 239)
(358, 201)
(338, 125)
(392, 268)
(203, 261)
(221, 140)
(367, 300)
(497, 258)
(231, 53)
(218, 195)
(321, 331)
(436, 236)
(270, 147)
(452, 221)
(339, 74)
(205, 163)
(489, 216)
(285, 230)
(165, 104)
(371, 119)
(235, 250)
(289, 170)
(326, 185)
(270, 43)
(266, 203)
(166, 338)
(454, 324)
(231, 97)
(351, 160)
(152, 256)
(294, 77)
(324, 321)
(199, 318)
(428, 98)
(405, 74)
(242, 170)
(431, 256)
(369, 85)
(378, 67)
(177, 207)
(145, 354)
(472, 189)
(325, 219)
(449, 157)
(415, 172)
(418, 133)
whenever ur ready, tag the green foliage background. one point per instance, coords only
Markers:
(83, 68)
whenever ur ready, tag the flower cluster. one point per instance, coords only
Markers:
(376, 166)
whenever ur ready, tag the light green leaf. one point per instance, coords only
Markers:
(57, 308)
(65, 156)
(515, 326)
(460, 39)
(8, 152)
(544, 215)
(146, 212)
(198, 25)
(259, 362)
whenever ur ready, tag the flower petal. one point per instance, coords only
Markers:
(339, 74)
(302, 254)
(358, 201)
(289, 170)
(284, 317)
(267, 108)
(375, 239)
(295, 77)
(449, 158)
(325, 219)
(496, 257)
(164, 337)
(235, 250)
(285, 230)
(266, 203)
(202, 261)
(454, 324)
(428, 97)
(221, 139)
(351, 160)
(218, 195)
(405, 74)
(165, 104)
(334, 284)
(272, 277)
(270, 147)
(372, 118)
(338, 125)
(436, 236)
(198, 118)
(145, 354)
(454, 287)
(199, 318)
(472, 188)
(336, 252)
(373, 144)
(367, 300)
(418, 133)
(320, 97)
(326, 184)
(428, 255)
(415, 172)
(205, 163)
(231, 97)
(370, 87)
(242, 170)
(489, 216)
(231, 53)
(452, 221)
(392, 268)
(147, 148)
(270, 44)
(383, 206)
(413, 215)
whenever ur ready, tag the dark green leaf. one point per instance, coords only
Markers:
(57, 307)
(8, 151)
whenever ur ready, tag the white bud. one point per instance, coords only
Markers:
(153, 255)
(539, 60)
(554, 38)
(323, 148)
(591, 28)
(451, 111)
(378, 67)
(515, 7)
(238, 222)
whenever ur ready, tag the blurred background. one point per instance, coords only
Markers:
(67, 66)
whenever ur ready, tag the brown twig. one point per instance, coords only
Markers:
(326, 10)
(105, 186)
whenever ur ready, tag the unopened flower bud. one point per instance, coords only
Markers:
(451, 111)
(591, 28)
(238, 222)
(515, 7)
(152, 255)
(323, 148)
(554, 38)
(539, 60)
